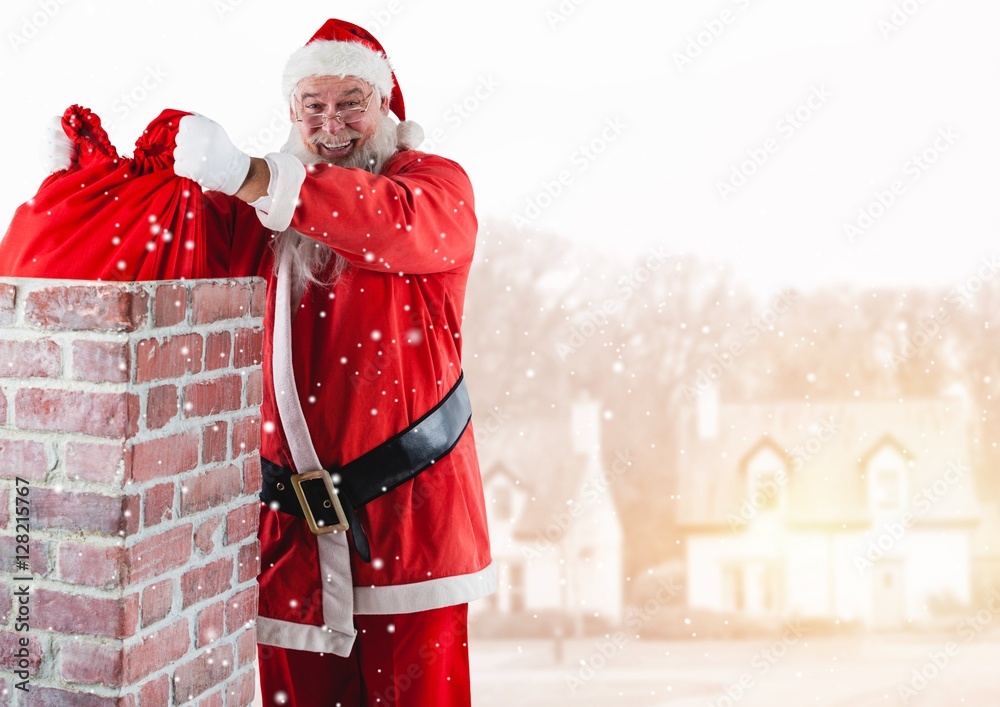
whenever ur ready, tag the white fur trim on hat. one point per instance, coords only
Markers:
(409, 135)
(329, 58)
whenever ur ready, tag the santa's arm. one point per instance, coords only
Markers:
(418, 220)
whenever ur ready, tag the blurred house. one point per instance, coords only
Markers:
(986, 556)
(554, 531)
(856, 511)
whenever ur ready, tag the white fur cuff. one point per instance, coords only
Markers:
(287, 175)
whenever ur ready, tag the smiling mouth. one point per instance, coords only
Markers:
(338, 148)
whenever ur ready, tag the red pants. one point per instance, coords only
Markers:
(400, 660)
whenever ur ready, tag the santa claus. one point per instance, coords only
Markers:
(373, 527)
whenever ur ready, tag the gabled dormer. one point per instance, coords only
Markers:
(504, 493)
(765, 469)
(885, 469)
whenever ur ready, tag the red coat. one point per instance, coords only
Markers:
(371, 355)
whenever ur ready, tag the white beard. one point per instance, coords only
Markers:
(310, 259)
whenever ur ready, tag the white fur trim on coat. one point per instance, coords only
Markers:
(287, 175)
(397, 599)
(328, 58)
(426, 595)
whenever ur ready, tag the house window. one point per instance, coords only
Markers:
(887, 477)
(766, 477)
(887, 489)
(765, 490)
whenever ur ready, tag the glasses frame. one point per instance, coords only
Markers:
(336, 116)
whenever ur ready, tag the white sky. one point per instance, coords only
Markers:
(547, 88)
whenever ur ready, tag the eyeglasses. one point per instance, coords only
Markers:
(348, 115)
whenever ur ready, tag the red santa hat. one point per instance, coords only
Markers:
(340, 48)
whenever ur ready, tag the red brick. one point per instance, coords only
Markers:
(155, 692)
(157, 601)
(246, 435)
(92, 566)
(98, 414)
(90, 663)
(218, 350)
(171, 358)
(251, 475)
(255, 388)
(89, 461)
(242, 522)
(166, 456)
(169, 305)
(246, 647)
(40, 358)
(207, 581)
(101, 361)
(156, 651)
(213, 700)
(241, 609)
(202, 673)
(214, 445)
(161, 406)
(248, 560)
(211, 623)
(215, 487)
(216, 301)
(4, 509)
(76, 511)
(159, 504)
(258, 303)
(241, 690)
(90, 307)
(161, 553)
(205, 534)
(10, 644)
(214, 396)
(249, 348)
(7, 293)
(25, 458)
(130, 511)
(37, 557)
(3, 408)
(78, 614)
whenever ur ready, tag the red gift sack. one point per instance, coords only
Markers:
(109, 217)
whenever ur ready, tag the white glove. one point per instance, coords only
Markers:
(204, 153)
(57, 149)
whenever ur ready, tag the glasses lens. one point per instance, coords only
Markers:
(351, 115)
(315, 120)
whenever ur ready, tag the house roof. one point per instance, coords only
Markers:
(536, 451)
(826, 482)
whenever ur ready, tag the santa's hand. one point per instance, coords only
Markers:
(57, 149)
(203, 152)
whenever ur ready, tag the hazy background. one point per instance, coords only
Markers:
(615, 272)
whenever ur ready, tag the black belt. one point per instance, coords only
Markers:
(328, 498)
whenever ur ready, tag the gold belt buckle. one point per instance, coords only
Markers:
(334, 501)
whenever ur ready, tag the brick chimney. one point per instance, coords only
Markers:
(129, 430)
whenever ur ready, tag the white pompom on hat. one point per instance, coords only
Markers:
(340, 48)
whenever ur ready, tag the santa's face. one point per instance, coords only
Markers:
(337, 142)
